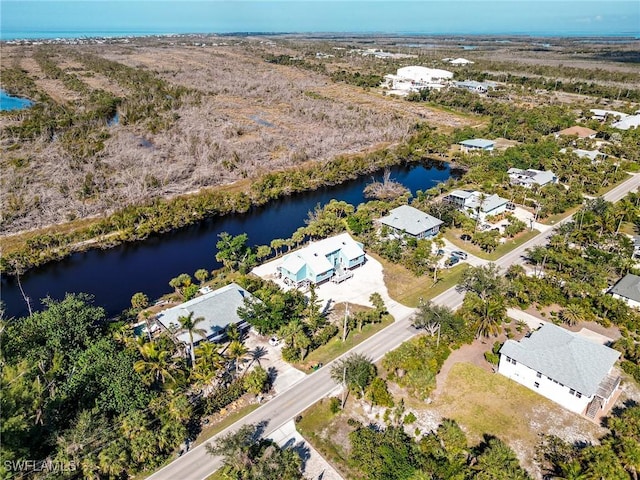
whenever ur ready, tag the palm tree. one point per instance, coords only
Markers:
(189, 325)
(157, 364)
(209, 361)
(572, 314)
(486, 315)
(236, 351)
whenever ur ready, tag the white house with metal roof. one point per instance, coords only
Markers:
(460, 61)
(328, 259)
(628, 290)
(219, 308)
(602, 115)
(477, 144)
(415, 78)
(630, 121)
(530, 177)
(406, 219)
(593, 155)
(477, 204)
(564, 367)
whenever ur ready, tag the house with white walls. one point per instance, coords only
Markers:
(564, 367)
(330, 259)
(477, 205)
(628, 289)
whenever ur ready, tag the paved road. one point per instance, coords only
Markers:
(198, 465)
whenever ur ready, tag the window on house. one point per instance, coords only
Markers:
(572, 391)
(578, 394)
(538, 375)
(513, 361)
(508, 359)
(536, 384)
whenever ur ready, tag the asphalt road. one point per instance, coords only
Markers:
(198, 465)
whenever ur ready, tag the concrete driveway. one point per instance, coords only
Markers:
(270, 358)
(367, 279)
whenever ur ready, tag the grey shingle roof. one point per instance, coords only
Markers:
(410, 219)
(628, 287)
(219, 309)
(563, 356)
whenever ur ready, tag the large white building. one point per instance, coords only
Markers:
(564, 367)
(415, 78)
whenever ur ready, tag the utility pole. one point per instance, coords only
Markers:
(344, 328)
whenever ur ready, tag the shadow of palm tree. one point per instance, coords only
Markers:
(257, 354)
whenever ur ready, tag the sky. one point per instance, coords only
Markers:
(51, 18)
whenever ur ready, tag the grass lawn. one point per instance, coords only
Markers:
(406, 288)
(337, 347)
(453, 235)
(324, 430)
(604, 190)
(628, 228)
(553, 219)
(215, 428)
(482, 402)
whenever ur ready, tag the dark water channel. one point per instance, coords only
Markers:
(114, 275)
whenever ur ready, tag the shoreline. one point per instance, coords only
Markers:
(242, 204)
(78, 37)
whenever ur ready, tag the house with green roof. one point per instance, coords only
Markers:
(564, 367)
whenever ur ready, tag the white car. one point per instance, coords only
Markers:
(274, 342)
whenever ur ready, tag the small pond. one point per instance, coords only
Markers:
(7, 102)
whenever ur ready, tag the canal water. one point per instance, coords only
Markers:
(114, 275)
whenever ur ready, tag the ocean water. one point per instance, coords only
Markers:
(90, 18)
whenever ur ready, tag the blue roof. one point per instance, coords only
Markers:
(478, 143)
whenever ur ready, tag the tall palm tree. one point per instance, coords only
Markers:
(236, 351)
(189, 325)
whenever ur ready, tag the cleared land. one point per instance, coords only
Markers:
(242, 117)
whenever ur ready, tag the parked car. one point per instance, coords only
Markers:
(485, 226)
(451, 261)
(440, 252)
(510, 206)
(459, 254)
(273, 341)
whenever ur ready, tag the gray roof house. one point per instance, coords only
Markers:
(562, 366)
(528, 178)
(477, 144)
(219, 309)
(593, 155)
(628, 290)
(412, 221)
(475, 203)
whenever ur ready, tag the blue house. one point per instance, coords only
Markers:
(328, 259)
